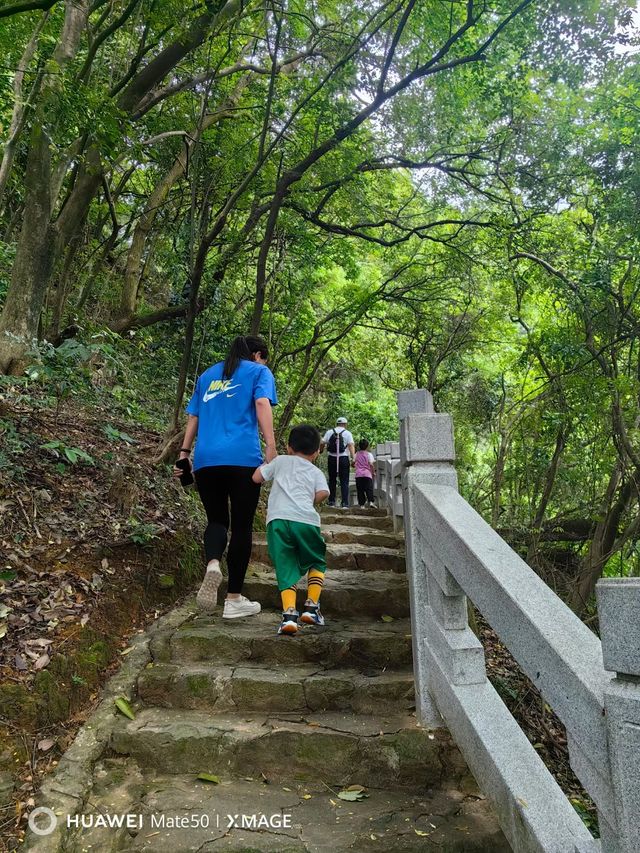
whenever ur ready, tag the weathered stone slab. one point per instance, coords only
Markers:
(345, 592)
(622, 706)
(414, 402)
(619, 616)
(554, 648)
(460, 654)
(362, 520)
(347, 535)
(352, 643)
(427, 438)
(534, 813)
(340, 749)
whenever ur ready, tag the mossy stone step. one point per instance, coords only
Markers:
(345, 593)
(359, 557)
(311, 817)
(344, 534)
(340, 749)
(365, 512)
(342, 517)
(259, 688)
(355, 643)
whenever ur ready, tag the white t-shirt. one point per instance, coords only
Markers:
(295, 483)
(347, 439)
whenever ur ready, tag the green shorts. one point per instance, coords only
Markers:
(295, 548)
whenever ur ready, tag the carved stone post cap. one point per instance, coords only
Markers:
(619, 615)
(416, 401)
(427, 438)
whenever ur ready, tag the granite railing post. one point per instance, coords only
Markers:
(619, 615)
(382, 453)
(427, 455)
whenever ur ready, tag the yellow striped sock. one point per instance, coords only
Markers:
(288, 598)
(314, 589)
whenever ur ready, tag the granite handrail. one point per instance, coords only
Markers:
(452, 554)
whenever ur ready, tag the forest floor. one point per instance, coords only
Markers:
(95, 543)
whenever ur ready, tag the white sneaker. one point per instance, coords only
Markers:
(235, 608)
(207, 597)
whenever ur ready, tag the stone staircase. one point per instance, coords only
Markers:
(286, 723)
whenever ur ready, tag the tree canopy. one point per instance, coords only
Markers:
(440, 194)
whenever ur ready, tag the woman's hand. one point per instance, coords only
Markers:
(178, 472)
(270, 452)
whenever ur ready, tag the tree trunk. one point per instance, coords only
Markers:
(32, 265)
(36, 252)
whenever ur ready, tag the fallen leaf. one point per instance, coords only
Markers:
(352, 796)
(46, 744)
(124, 707)
(306, 796)
(43, 660)
(420, 833)
(104, 564)
(386, 618)
(127, 650)
(208, 777)
(4, 610)
(3, 629)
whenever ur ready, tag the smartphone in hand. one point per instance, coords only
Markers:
(186, 478)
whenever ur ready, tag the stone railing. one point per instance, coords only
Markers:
(593, 686)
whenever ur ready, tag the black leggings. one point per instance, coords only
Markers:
(364, 487)
(219, 485)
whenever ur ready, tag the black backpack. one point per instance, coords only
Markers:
(335, 441)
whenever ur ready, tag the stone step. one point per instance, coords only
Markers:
(340, 749)
(368, 512)
(358, 557)
(257, 688)
(344, 519)
(302, 818)
(345, 592)
(343, 534)
(356, 643)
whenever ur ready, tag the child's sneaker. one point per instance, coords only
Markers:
(289, 624)
(311, 614)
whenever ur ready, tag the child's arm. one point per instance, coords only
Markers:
(320, 496)
(264, 472)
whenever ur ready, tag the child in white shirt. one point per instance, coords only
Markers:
(296, 546)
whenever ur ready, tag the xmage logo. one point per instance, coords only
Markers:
(258, 821)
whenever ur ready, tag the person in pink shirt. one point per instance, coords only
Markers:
(365, 467)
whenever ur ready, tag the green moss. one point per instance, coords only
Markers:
(17, 702)
(53, 697)
(198, 685)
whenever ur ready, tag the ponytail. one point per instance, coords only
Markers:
(242, 348)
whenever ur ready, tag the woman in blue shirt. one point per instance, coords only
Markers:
(231, 400)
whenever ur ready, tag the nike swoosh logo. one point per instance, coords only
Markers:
(231, 395)
(210, 395)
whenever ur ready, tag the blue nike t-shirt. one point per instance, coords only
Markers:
(228, 424)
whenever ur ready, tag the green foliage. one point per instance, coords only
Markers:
(73, 455)
(141, 532)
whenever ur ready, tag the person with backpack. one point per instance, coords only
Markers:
(341, 451)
